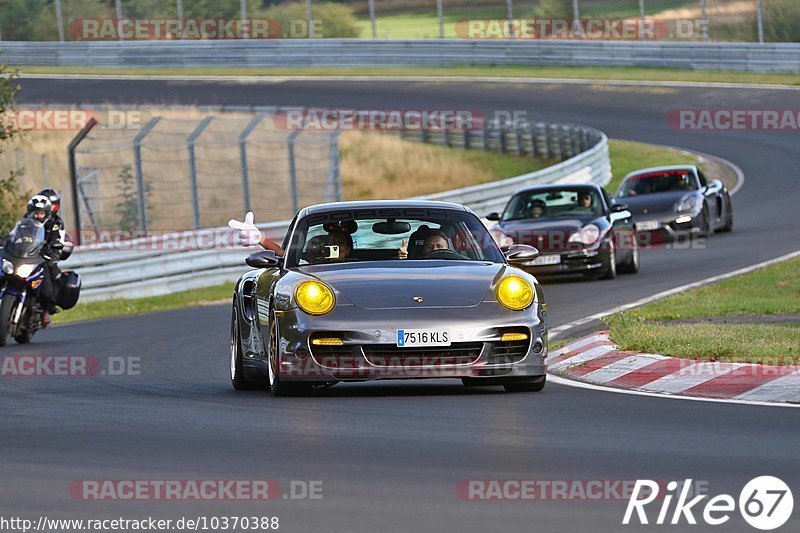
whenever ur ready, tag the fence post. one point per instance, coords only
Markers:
(180, 18)
(190, 142)
(372, 19)
(440, 15)
(576, 15)
(308, 19)
(704, 20)
(293, 168)
(245, 23)
(334, 192)
(118, 7)
(59, 21)
(73, 174)
(243, 160)
(137, 161)
(760, 18)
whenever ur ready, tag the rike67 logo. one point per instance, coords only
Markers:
(765, 503)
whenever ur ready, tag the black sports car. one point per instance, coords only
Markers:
(388, 290)
(576, 228)
(677, 201)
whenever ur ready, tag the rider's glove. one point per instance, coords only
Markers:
(249, 234)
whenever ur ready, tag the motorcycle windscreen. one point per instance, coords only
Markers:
(26, 239)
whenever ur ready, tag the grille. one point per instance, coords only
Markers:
(509, 352)
(389, 355)
(334, 356)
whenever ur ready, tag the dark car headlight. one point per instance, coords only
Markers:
(586, 235)
(687, 204)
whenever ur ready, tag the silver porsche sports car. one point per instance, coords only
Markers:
(388, 290)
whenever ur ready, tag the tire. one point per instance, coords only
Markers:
(610, 269)
(24, 337)
(632, 265)
(238, 380)
(728, 219)
(6, 308)
(534, 385)
(276, 385)
(707, 230)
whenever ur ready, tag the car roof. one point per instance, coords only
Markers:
(380, 204)
(653, 170)
(557, 186)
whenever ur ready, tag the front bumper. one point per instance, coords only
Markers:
(666, 227)
(572, 262)
(369, 351)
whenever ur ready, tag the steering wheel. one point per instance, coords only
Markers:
(443, 254)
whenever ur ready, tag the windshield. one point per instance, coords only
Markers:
(567, 202)
(391, 234)
(681, 180)
(26, 239)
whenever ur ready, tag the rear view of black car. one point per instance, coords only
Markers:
(576, 228)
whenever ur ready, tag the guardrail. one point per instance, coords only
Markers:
(148, 267)
(755, 57)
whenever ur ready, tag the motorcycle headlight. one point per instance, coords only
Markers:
(8, 267)
(24, 271)
(686, 204)
(314, 297)
(514, 293)
(586, 235)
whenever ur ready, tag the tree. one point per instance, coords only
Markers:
(12, 201)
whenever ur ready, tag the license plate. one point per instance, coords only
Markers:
(547, 260)
(408, 338)
(647, 225)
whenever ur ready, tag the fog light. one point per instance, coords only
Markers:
(327, 341)
(537, 348)
(683, 220)
(510, 337)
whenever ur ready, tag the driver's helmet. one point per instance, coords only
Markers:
(53, 196)
(39, 208)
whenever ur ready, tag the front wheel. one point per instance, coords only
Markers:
(610, 267)
(238, 379)
(7, 305)
(632, 265)
(276, 384)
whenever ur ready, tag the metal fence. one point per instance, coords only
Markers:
(174, 174)
(430, 52)
(146, 267)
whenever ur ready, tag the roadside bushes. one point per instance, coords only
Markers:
(12, 201)
(336, 20)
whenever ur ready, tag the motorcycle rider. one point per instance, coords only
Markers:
(43, 207)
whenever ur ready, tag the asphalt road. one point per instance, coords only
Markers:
(390, 455)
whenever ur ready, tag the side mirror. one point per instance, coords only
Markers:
(519, 254)
(494, 217)
(265, 259)
(617, 207)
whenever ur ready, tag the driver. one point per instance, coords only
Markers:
(436, 240)
(538, 209)
(585, 200)
(345, 243)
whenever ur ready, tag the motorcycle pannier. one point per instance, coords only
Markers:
(69, 289)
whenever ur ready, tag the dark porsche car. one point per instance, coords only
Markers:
(669, 203)
(576, 228)
(388, 290)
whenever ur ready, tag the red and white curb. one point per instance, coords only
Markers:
(595, 359)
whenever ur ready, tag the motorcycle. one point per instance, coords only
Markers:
(22, 269)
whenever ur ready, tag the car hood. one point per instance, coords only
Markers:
(394, 284)
(654, 203)
(548, 234)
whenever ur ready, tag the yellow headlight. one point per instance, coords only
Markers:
(314, 298)
(514, 293)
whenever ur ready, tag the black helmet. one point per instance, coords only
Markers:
(53, 196)
(39, 203)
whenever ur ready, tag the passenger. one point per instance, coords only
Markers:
(345, 243)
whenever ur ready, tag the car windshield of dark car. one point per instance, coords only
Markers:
(567, 202)
(432, 235)
(658, 182)
(26, 239)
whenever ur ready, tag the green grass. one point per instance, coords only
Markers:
(588, 73)
(138, 306)
(771, 290)
(630, 8)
